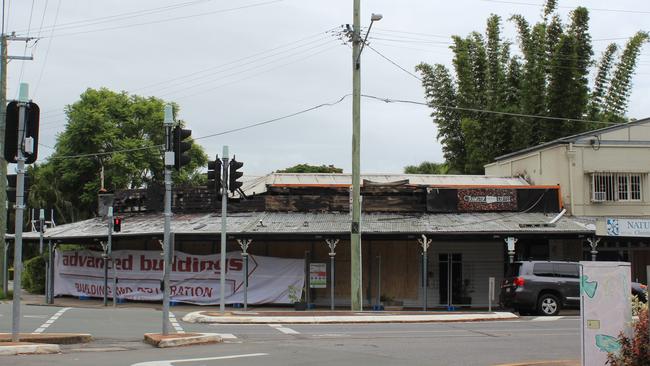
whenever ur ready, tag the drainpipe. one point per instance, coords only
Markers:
(571, 154)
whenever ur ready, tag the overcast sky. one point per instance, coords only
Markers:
(229, 64)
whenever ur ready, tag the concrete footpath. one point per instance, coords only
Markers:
(334, 317)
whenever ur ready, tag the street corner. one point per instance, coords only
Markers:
(26, 348)
(204, 316)
(181, 339)
(48, 338)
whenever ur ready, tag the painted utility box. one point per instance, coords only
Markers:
(606, 309)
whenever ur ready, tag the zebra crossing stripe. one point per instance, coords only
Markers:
(50, 321)
(175, 324)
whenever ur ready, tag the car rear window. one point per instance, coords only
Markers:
(567, 270)
(543, 269)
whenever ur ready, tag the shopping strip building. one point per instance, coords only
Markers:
(603, 175)
(468, 220)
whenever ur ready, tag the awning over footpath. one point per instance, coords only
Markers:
(270, 223)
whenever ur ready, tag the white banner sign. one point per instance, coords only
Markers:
(605, 309)
(628, 227)
(194, 278)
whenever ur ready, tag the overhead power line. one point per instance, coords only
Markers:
(629, 11)
(330, 104)
(246, 127)
(239, 68)
(393, 62)
(118, 17)
(319, 51)
(47, 50)
(480, 110)
(256, 56)
(22, 62)
(225, 10)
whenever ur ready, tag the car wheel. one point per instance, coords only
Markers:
(548, 305)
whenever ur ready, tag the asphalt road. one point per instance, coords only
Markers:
(118, 334)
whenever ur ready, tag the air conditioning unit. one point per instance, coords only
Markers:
(599, 197)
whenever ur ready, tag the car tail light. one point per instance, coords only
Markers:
(518, 281)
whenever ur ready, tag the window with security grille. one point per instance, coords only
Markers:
(616, 187)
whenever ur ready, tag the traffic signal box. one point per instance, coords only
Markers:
(214, 175)
(181, 146)
(31, 130)
(117, 224)
(234, 175)
(11, 187)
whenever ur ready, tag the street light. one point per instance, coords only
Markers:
(355, 232)
(373, 18)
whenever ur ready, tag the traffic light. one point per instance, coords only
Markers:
(12, 181)
(117, 224)
(180, 147)
(31, 132)
(214, 175)
(234, 175)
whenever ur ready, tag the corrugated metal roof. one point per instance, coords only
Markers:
(258, 185)
(572, 138)
(322, 223)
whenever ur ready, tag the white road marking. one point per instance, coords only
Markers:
(175, 324)
(227, 336)
(546, 318)
(170, 362)
(35, 316)
(50, 321)
(282, 329)
(330, 335)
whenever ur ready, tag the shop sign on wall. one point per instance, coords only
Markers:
(628, 227)
(497, 199)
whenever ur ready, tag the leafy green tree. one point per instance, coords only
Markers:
(427, 167)
(479, 110)
(306, 168)
(120, 132)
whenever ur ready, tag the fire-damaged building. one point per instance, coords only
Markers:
(434, 238)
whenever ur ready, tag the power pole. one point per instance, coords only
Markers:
(355, 232)
(3, 115)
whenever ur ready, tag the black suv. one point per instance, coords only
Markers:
(542, 287)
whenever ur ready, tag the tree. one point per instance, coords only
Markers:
(120, 132)
(496, 103)
(427, 167)
(306, 168)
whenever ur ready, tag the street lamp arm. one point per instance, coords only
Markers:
(373, 19)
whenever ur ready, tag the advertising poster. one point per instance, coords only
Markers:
(194, 278)
(317, 275)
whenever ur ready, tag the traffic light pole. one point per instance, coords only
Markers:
(107, 254)
(169, 162)
(224, 213)
(20, 207)
(4, 57)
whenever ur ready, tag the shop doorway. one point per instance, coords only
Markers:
(450, 274)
